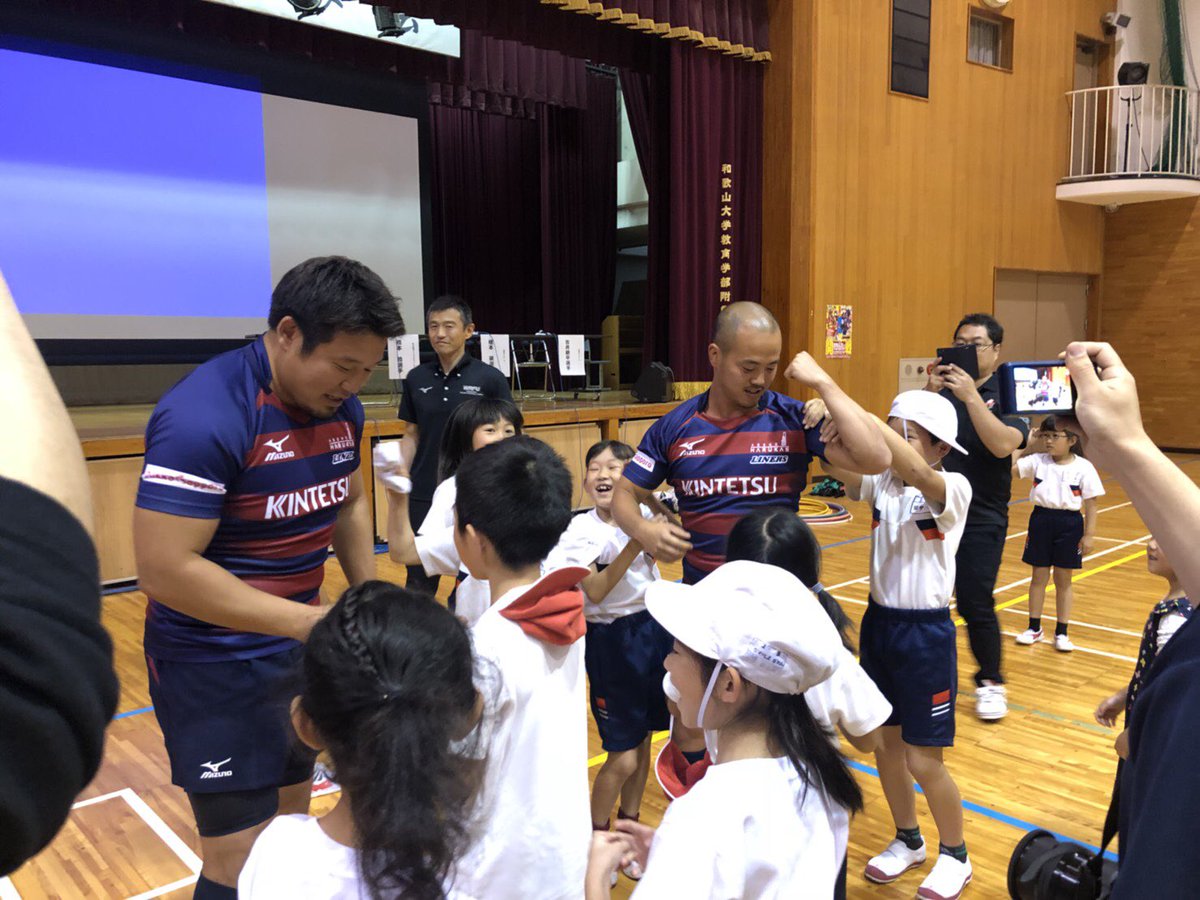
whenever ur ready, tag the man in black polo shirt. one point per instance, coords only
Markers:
(990, 440)
(431, 392)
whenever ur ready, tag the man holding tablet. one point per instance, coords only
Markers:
(990, 439)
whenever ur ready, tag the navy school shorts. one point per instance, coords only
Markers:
(227, 724)
(912, 656)
(1053, 538)
(625, 671)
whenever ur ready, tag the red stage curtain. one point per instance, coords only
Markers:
(524, 212)
(716, 121)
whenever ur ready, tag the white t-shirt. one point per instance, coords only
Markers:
(589, 540)
(439, 556)
(743, 832)
(913, 543)
(295, 858)
(1058, 486)
(534, 821)
(848, 699)
(441, 507)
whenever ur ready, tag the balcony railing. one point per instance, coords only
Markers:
(1132, 131)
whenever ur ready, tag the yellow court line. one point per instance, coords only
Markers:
(599, 758)
(1087, 573)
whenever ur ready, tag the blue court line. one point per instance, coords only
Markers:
(132, 712)
(1005, 818)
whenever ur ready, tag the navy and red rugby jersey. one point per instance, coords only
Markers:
(221, 446)
(722, 469)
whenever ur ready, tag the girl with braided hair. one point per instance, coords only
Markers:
(388, 691)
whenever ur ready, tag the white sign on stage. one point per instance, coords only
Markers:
(495, 351)
(404, 353)
(570, 355)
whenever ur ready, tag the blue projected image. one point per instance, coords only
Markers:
(126, 193)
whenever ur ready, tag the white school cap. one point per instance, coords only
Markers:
(756, 618)
(931, 411)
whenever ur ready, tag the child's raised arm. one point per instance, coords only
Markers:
(402, 542)
(912, 469)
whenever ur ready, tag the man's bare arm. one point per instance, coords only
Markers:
(354, 534)
(664, 540)
(172, 570)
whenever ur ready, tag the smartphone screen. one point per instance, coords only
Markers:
(1038, 388)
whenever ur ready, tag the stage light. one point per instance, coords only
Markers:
(305, 8)
(1133, 73)
(394, 24)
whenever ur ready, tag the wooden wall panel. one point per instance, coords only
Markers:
(914, 204)
(114, 489)
(1150, 296)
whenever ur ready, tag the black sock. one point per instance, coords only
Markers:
(1061, 628)
(959, 852)
(1035, 624)
(210, 890)
(693, 756)
(910, 836)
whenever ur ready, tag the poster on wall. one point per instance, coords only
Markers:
(839, 328)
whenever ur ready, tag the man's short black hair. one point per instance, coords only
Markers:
(449, 301)
(517, 494)
(994, 329)
(328, 294)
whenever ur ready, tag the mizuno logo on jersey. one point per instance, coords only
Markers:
(214, 769)
(743, 486)
(425, 390)
(689, 448)
(310, 499)
(277, 451)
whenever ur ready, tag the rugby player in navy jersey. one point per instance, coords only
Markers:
(736, 448)
(251, 473)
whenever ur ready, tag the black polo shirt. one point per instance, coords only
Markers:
(990, 476)
(429, 396)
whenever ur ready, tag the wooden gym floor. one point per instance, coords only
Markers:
(1048, 764)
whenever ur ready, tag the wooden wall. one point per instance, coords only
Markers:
(906, 207)
(1150, 302)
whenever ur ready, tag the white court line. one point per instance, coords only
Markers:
(88, 802)
(1079, 649)
(1007, 587)
(165, 834)
(7, 891)
(166, 888)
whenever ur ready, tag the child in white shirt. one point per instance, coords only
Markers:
(770, 819)
(388, 690)
(625, 645)
(531, 838)
(1059, 536)
(474, 424)
(908, 639)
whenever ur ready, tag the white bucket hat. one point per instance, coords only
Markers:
(756, 618)
(931, 411)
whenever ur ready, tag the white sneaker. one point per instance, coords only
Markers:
(1063, 644)
(991, 702)
(1029, 636)
(946, 880)
(894, 862)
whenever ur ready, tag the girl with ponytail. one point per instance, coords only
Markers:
(388, 691)
(771, 816)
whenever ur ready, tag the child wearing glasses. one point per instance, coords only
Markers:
(1062, 525)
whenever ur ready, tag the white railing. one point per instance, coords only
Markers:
(1134, 130)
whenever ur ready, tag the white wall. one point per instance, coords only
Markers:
(1143, 39)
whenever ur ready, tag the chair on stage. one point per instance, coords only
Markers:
(532, 353)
